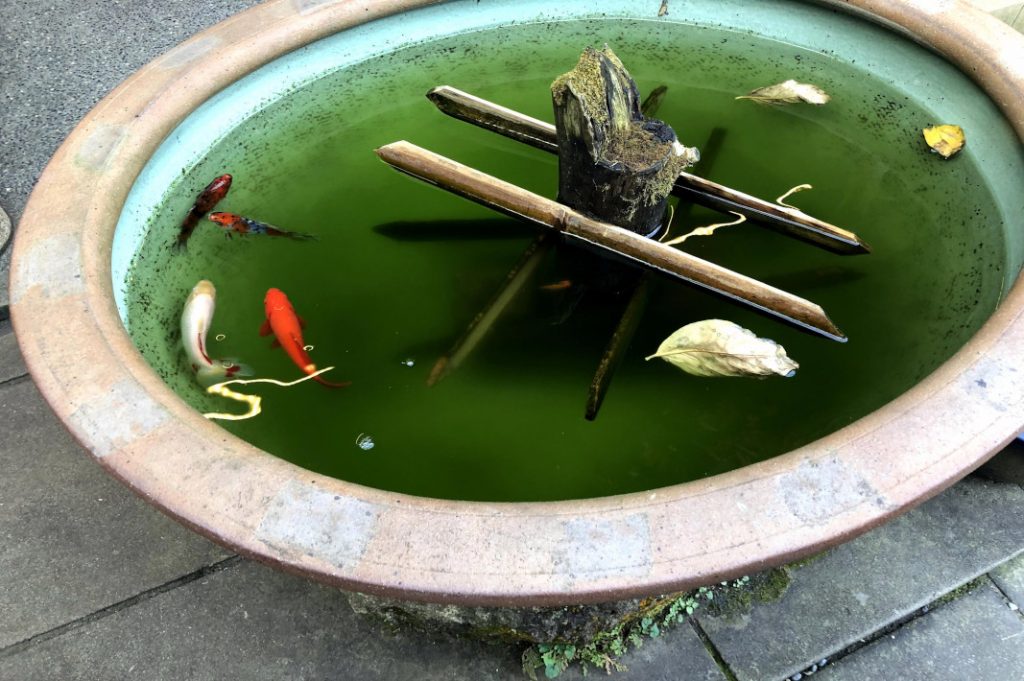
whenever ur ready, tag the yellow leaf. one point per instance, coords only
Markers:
(945, 140)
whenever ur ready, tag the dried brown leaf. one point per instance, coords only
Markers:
(788, 92)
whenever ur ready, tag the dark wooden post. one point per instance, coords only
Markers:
(613, 163)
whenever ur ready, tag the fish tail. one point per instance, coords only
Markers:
(331, 384)
(188, 226)
(311, 369)
(298, 236)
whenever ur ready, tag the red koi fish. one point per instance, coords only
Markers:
(287, 329)
(245, 226)
(205, 202)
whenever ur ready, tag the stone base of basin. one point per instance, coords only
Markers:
(568, 623)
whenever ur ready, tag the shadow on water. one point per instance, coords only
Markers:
(454, 230)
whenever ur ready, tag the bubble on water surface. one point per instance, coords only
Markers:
(364, 442)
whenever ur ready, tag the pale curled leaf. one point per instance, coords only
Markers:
(716, 347)
(945, 140)
(788, 92)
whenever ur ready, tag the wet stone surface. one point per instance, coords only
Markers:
(841, 597)
(251, 622)
(11, 364)
(74, 539)
(1009, 577)
(974, 637)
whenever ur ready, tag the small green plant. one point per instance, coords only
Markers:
(605, 649)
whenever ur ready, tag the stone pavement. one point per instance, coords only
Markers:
(97, 585)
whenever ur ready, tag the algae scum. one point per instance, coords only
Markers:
(401, 268)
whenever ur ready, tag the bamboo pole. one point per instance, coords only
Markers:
(511, 200)
(537, 133)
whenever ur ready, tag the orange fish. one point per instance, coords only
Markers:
(557, 286)
(287, 329)
(240, 224)
(205, 202)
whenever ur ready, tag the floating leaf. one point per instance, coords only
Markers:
(715, 347)
(945, 140)
(789, 92)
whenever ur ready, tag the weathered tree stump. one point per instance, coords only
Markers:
(613, 163)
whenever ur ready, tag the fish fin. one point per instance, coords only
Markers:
(275, 344)
(301, 236)
(265, 329)
(235, 369)
(222, 370)
(201, 343)
(302, 322)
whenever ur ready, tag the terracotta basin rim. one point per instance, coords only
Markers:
(461, 552)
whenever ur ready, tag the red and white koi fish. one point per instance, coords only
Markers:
(205, 202)
(287, 329)
(195, 323)
(238, 224)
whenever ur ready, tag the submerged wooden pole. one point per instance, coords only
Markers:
(632, 314)
(482, 323)
(517, 202)
(541, 135)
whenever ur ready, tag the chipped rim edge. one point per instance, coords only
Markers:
(498, 554)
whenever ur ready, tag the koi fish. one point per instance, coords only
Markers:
(195, 323)
(238, 224)
(205, 202)
(287, 329)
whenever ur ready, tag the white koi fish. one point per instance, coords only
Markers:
(195, 323)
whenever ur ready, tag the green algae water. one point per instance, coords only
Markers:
(400, 268)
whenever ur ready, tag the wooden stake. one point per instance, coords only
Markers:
(617, 346)
(482, 323)
(632, 314)
(511, 200)
(541, 135)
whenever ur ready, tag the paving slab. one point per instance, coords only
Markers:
(60, 57)
(862, 586)
(5, 229)
(974, 638)
(11, 363)
(5, 275)
(1007, 465)
(677, 655)
(1010, 578)
(73, 539)
(250, 622)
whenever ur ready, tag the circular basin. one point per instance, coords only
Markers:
(70, 251)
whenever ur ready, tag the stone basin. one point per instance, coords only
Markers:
(472, 553)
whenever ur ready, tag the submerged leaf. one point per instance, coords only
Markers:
(716, 347)
(788, 92)
(945, 140)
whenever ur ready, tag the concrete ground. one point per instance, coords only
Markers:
(95, 584)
